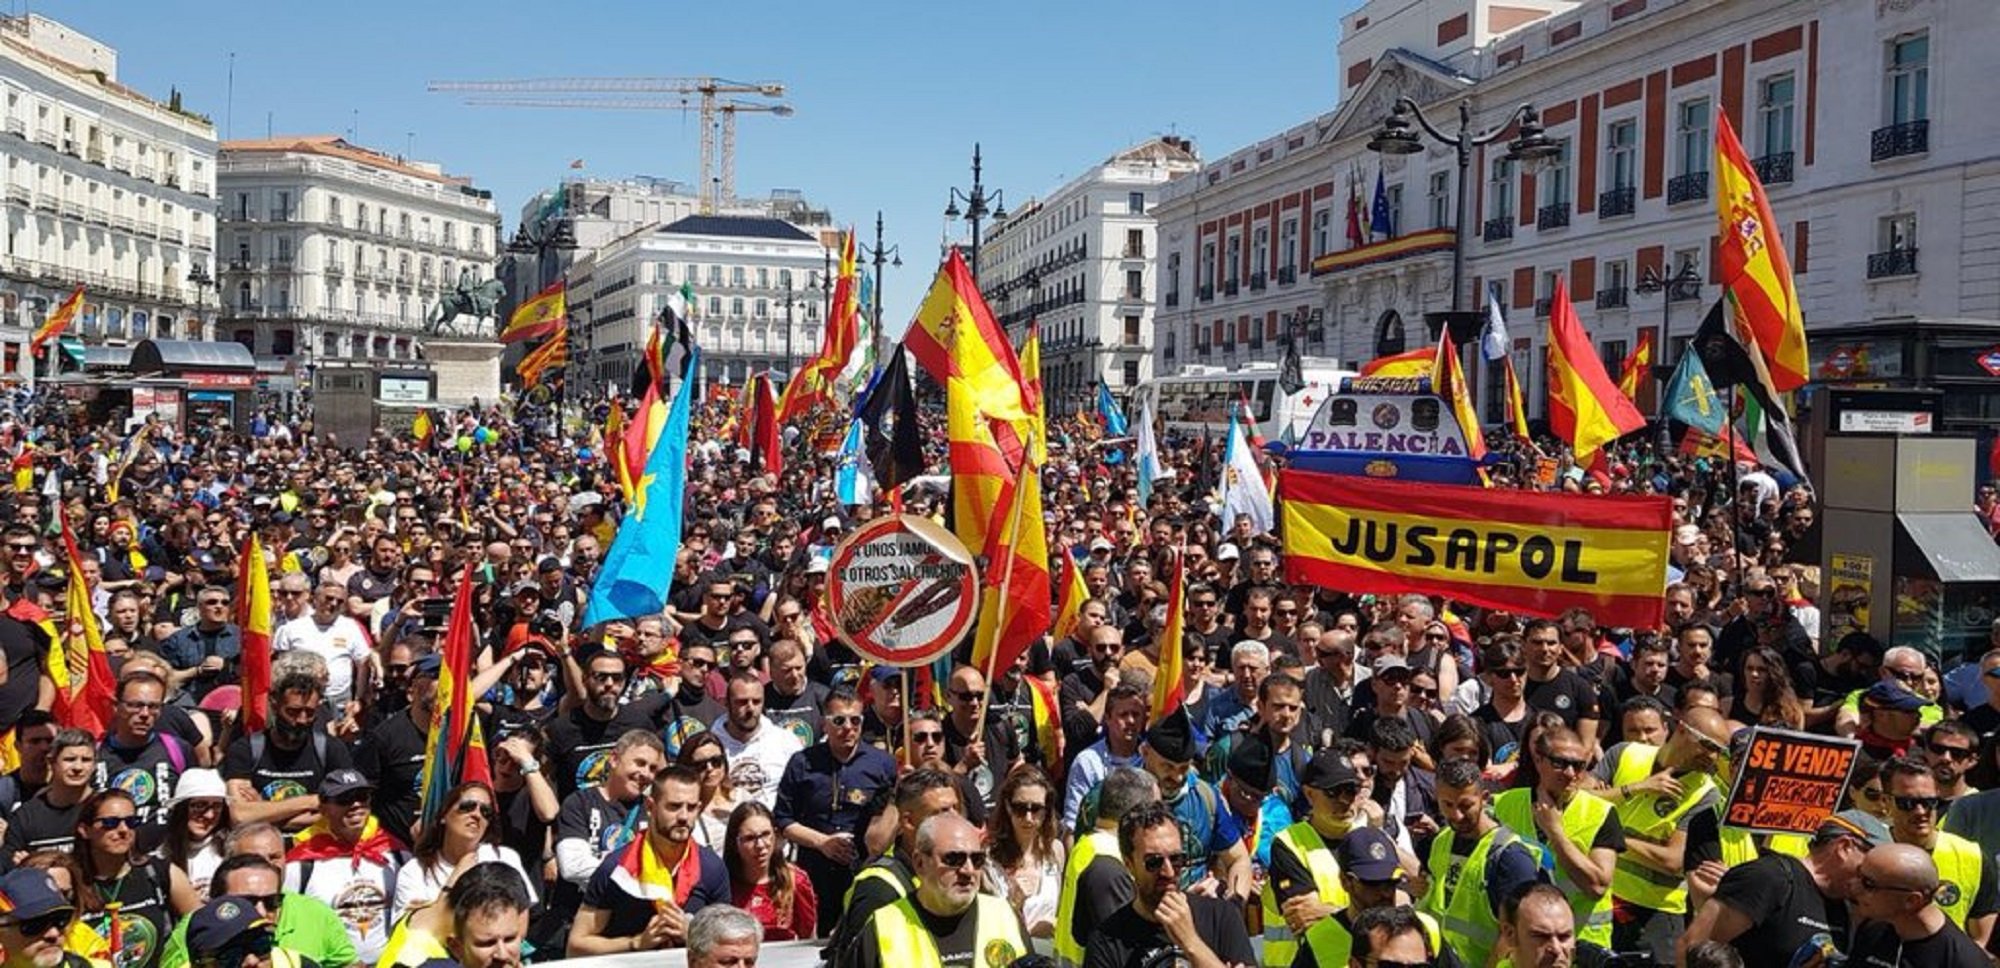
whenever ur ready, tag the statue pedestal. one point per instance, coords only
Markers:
(467, 370)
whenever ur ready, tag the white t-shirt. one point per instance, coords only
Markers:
(756, 765)
(358, 890)
(342, 645)
(417, 885)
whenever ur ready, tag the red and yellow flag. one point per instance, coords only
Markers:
(955, 336)
(636, 437)
(540, 315)
(421, 428)
(1069, 608)
(455, 751)
(1638, 367)
(1517, 406)
(1169, 685)
(253, 617)
(57, 321)
(552, 355)
(1585, 407)
(1421, 361)
(1031, 371)
(84, 695)
(1754, 267)
(1449, 382)
(813, 384)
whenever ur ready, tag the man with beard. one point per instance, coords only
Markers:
(1474, 863)
(393, 753)
(1095, 881)
(986, 761)
(1903, 923)
(697, 660)
(580, 736)
(821, 796)
(920, 795)
(1694, 647)
(757, 749)
(947, 919)
(596, 822)
(1951, 748)
(641, 896)
(1085, 691)
(272, 776)
(1124, 716)
(1201, 931)
(1552, 688)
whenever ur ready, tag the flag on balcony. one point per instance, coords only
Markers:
(540, 315)
(1637, 365)
(1379, 221)
(1355, 237)
(1754, 268)
(1585, 407)
(57, 321)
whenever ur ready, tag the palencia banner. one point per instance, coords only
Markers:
(1789, 783)
(1528, 552)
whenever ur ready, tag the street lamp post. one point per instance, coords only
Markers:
(1403, 131)
(878, 255)
(976, 207)
(1652, 280)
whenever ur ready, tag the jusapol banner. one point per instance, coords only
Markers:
(1526, 552)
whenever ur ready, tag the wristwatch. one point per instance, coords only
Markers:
(531, 767)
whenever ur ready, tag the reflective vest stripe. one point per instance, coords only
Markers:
(1467, 914)
(1582, 819)
(1068, 949)
(902, 940)
(1305, 843)
(876, 872)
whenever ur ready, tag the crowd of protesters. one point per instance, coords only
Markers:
(1391, 780)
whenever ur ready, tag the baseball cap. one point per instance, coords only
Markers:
(221, 921)
(1889, 695)
(1227, 552)
(1854, 823)
(816, 566)
(1101, 543)
(340, 783)
(29, 892)
(1329, 771)
(549, 564)
(1389, 661)
(1369, 855)
(427, 664)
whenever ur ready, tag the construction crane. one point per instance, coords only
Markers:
(617, 94)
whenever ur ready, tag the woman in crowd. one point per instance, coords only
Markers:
(467, 826)
(148, 892)
(762, 881)
(719, 799)
(1458, 737)
(1026, 855)
(197, 822)
(1766, 697)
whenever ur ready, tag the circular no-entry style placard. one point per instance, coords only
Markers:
(902, 590)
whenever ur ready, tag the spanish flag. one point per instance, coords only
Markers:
(1585, 407)
(1169, 689)
(57, 321)
(1421, 361)
(1074, 593)
(455, 751)
(1517, 406)
(1637, 367)
(1449, 382)
(955, 337)
(540, 315)
(1031, 371)
(1754, 267)
(813, 384)
(83, 696)
(253, 617)
(420, 428)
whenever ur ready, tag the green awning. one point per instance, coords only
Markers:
(72, 349)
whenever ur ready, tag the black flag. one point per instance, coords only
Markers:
(1291, 370)
(896, 452)
(1733, 362)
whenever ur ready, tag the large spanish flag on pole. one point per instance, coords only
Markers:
(1585, 407)
(1754, 267)
(540, 315)
(57, 321)
(253, 617)
(954, 336)
(1421, 361)
(813, 384)
(1449, 383)
(1524, 551)
(1169, 689)
(1638, 367)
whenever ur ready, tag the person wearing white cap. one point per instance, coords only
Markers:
(197, 822)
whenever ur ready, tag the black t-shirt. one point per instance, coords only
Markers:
(280, 774)
(1567, 695)
(1876, 945)
(629, 914)
(1001, 751)
(1503, 737)
(143, 914)
(797, 715)
(23, 645)
(1126, 940)
(370, 586)
(520, 827)
(393, 756)
(1785, 909)
(149, 774)
(1983, 719)
(581, 746)
(1102, 888)
(35, 825)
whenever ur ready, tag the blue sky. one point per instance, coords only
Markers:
(890, 97)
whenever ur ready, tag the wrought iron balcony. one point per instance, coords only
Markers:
(1256, 282)
(1691, 187)
(1316, 334)
(1230, 288)
(1229, 346)
(1256, 341)
(1897, 140)
(1895, 262)
(1173, 299)
(1552, 216)
(1205, 293)
(1288, 275)
(1498, 229)
(1201, 349)
(1615, 297)
(1617, 202)
(1775, 168)
(1543, 306)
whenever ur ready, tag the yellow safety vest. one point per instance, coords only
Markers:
(882, 870)
(1332, 944)
(1738, 846)
(1305, 843)
(1958, 861)
(1790, 845)
(903, 942)
(1582, 819)
(1069, 951)
(1652, 818)
(1463, 907)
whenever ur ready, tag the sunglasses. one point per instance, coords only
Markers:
(979, 696)
(354, 799)
(845, 719)
(1912, 804)
(1158, 862)
(479, 807)
(1511, 672)
(1563, 764)
(959, 859)
(928, 736)
(38, 926)
(1954, 752)
(1906, 677)
(1872, 884)
(113, 823)
(707, 763)
(1026, 809)
(607, 677)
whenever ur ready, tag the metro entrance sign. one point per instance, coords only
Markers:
(902, 590)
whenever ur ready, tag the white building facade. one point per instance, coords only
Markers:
(1080, 263)
(331, 251)
(1862, 118)
(106, 188)
(759, 299)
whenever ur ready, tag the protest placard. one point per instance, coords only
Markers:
(1789, 783)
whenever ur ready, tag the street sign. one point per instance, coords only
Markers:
(902, 590)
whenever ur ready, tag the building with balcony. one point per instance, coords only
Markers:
(105, 188)
(759, 299)
(1862, 120)
(1080, 262)
(331, 250)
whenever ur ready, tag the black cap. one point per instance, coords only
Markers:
(427, 665)
(339, 783)
(1369, 854)
(1329, 771)
(221, 921)
(549, 564)
(1250, 762)
(1173, 737)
